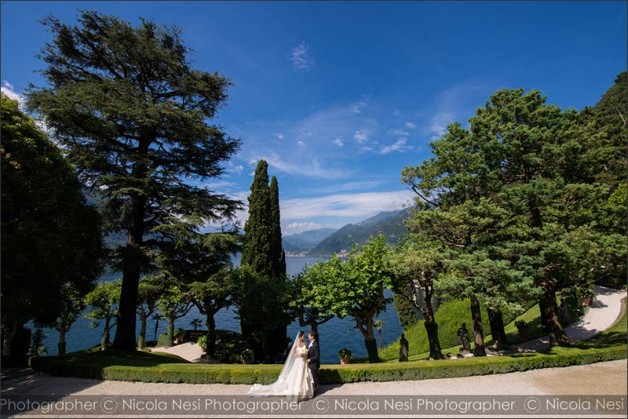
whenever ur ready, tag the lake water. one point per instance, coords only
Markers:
(335, 334)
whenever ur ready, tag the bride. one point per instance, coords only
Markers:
(295, 379)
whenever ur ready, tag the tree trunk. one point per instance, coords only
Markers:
(104, 343)
(61, 346)
(125, 332)
(210, 322)
(432, 336)
(7, 338)
(498, 332)
(549, 311)
(252, 334)
(370, 342)
(156, 327)
(170, 332)
(478, 330)
(427, 310)
(141, 343)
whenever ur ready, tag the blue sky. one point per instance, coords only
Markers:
(339, 97)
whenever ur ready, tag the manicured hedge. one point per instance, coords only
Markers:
(161, 367)
(181, 372)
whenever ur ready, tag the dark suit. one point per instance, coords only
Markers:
(314, 361)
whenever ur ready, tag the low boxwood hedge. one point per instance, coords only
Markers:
(161, 367)
(182, 372)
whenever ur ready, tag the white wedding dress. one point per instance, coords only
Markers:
(295, 380)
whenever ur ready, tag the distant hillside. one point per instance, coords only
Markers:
(305, 241)
(390, 224)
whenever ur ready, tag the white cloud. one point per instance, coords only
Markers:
(318, 141)
(410, 125)
(280, 136)
(398, 132)
(456, 103)
(8, 89)
(358, 107)
(439, 123)
(350, 186)
(400, 146)
(360, 136)
(354, 206)
(303, 226)
(300, 58)
(306, 166)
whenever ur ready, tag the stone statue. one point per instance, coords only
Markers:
(404, 348)
(463, 334)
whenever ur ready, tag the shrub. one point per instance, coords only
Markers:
(344, 353)
(202, 342)
(247, 356)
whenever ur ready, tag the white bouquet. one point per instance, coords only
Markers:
(302, 351)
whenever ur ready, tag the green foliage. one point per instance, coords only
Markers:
(408, 315)
(173, 304)
(264, 266)
(262, 304)
(303, 290)
(104, 301)
(257, 253)
(247, 356)
(606, 149)
(148, 294)
(73, 305)
(277, 253)
(344, 353)
(202, 342)
(200, 265)
(51, 238)
(515, 200)
(355, 287)
(132, 115)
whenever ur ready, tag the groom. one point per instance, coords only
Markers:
(313, 357)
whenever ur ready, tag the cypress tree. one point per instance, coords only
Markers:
(265, 324)
(257, 252)
(278, 255)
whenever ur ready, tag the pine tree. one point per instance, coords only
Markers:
(132, 114)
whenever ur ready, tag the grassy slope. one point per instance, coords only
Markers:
(449, 316)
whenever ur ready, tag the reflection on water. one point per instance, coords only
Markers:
(335, 334)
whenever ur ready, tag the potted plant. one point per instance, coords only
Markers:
(524, 329)
(247, 356)
(586, 295)
(345, 356)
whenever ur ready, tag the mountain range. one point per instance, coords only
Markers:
(325, 242)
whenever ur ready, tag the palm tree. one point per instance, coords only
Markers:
(196, 323)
